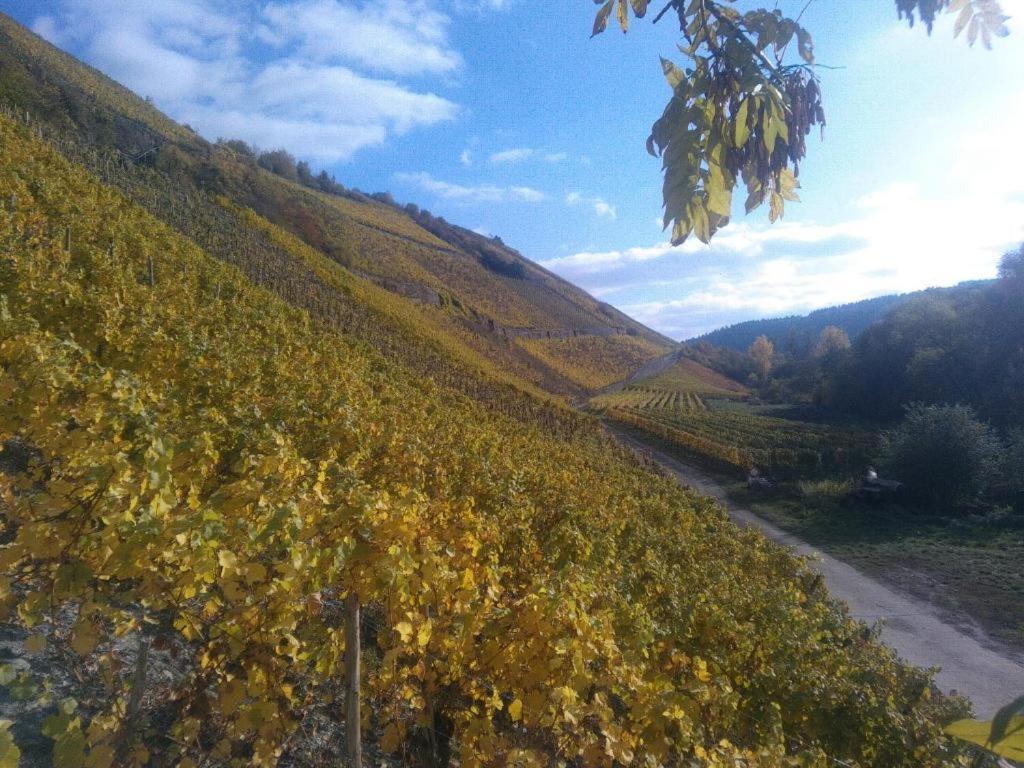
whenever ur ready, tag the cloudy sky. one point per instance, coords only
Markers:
(503, 116)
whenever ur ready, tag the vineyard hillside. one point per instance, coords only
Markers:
(478, 293)
(593, 362)
(686, 375)
(197, 474)
(232, 420)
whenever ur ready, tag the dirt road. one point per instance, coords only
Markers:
(912, 627)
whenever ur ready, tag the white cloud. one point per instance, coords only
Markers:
(590, 262)
(401, 37)
(481, 193)
(603, 209)
(46, 28)
(304, 137)
(336, 94)
(900, 239)
(526, 194)
(466, 158)
(600, 207)
(315, 87)
(520, 154)
(515, 155)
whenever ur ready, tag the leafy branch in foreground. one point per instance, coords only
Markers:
(746, 100)
(1003, 735)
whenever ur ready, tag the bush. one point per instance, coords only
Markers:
(944, 454)
(1012, 475)
(281, 163)
(824, 493)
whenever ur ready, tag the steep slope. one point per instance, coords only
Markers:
(475, 293)
(197, 473)
(801, 331)
(687, 375)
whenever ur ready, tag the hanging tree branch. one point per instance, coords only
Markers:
(736, 115)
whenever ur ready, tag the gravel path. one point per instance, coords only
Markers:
(912, 627)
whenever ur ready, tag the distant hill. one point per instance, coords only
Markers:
(434, 285)
(798, 332)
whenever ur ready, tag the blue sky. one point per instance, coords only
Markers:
(502, 116)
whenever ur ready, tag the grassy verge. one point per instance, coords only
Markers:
(972, 567)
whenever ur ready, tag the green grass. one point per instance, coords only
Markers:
(970, 567)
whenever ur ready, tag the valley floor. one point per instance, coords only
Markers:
(914, 628)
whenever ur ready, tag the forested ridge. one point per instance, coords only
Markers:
(797, 333)
(965, 346)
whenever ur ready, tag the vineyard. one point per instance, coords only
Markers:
(593, 362)
(686, 375)
(698, 412)
(196, 474)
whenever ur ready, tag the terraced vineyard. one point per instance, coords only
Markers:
(651, 398)
(593, 362)
(701, 413)
(687, 375)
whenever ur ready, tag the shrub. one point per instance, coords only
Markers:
(1012, 474)
(943, 453)
(824, 493)
(281, 163)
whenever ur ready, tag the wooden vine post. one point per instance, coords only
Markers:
(352, 714)
(138, 681)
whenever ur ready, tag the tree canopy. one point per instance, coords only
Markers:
(747, 98)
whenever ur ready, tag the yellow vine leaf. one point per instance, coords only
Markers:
(423, 635)
(404, 629)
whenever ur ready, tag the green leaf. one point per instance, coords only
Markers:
(770, 126)
(777, 207)
(10, 755)
(72, 579)
(754, 199)
(673, 74)
(1001, 722)
(69, 749)
(680, 231)
(701, 222)
(1010, 746)
(742, 130)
